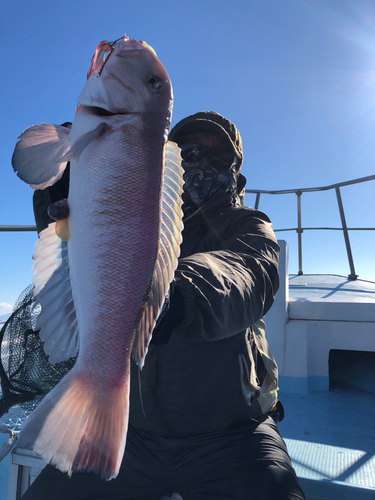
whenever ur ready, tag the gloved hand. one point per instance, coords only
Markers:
(171, 315)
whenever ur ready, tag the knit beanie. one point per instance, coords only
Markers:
(210, 122)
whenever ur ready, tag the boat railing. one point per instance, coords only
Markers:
(299, 229)
(17, 228)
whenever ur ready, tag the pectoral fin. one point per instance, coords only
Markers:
(37, 157)
(41, 154)
(82, 142)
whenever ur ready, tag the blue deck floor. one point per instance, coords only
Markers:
(331, 439)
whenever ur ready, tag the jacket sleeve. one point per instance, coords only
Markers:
(228, 289)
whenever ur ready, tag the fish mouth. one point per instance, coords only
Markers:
(97, 111)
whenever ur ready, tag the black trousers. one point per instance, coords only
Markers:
(249, 462)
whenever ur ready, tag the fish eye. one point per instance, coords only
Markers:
(155, 82)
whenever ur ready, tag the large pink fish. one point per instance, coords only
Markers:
(101, 276)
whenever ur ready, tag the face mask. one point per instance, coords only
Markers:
(206, 171)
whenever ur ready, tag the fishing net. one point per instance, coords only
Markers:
(25, 373)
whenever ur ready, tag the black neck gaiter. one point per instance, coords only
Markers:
(202, 181)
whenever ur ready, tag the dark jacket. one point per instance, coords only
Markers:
(204, 379)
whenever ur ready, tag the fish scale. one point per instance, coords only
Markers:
(103, 287)
(127, 227)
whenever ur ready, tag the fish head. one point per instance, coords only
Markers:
(126, 77)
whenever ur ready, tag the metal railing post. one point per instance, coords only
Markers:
(299, 231)
(352, 275)
(256, 206)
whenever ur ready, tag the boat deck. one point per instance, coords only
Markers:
(331, 297)
(331, 440)
(330, 437)
(330, 434)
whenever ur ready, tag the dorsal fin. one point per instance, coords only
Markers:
(169, 248)
(57, 320)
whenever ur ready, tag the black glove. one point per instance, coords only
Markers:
(171, 315)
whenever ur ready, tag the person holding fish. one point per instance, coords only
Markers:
(174, 389)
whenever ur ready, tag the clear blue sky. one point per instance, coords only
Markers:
(297, 77)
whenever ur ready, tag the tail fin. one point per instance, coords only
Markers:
(78, 427)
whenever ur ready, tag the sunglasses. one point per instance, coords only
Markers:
(218, 158)
(102, 53)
